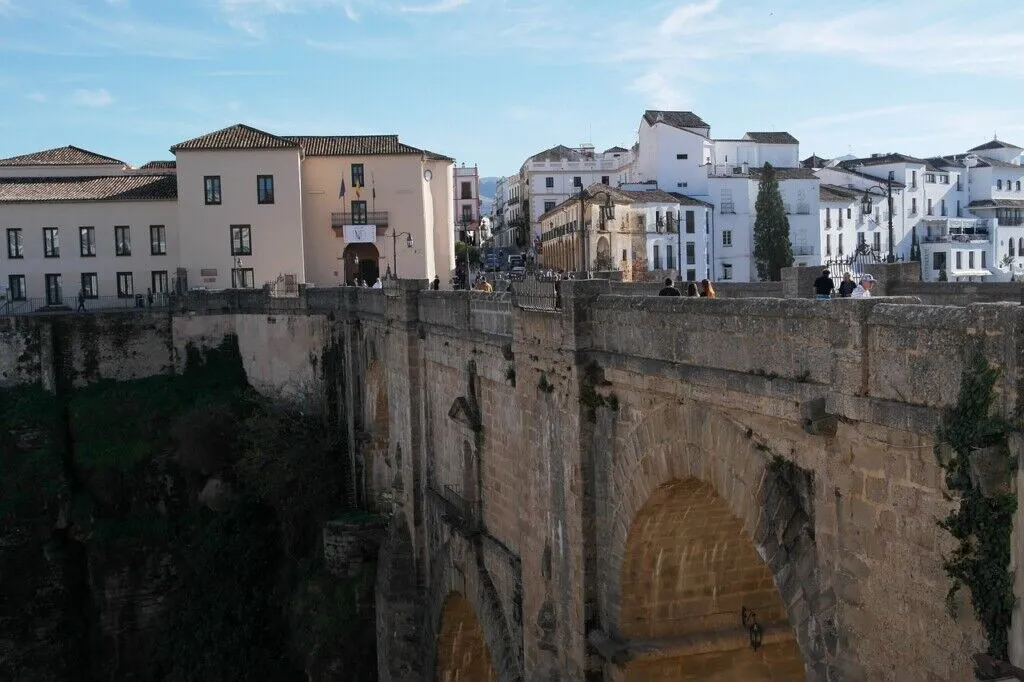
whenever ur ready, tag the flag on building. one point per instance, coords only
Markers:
(358, 189)
(341, 192)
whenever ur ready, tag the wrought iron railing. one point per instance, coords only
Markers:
(378, 218)
(536, 294)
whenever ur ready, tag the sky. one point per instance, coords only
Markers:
(491, 82)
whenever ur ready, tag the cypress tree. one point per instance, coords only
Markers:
(772, 248)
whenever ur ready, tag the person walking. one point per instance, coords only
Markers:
(81, 301)
(847, 286)
(823, 286)
(436, 284)
(668, 289)
(863, 289)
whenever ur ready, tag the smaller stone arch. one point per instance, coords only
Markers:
(456, 570)
(462, 654)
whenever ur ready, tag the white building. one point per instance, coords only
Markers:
(238, 208)
(965, 210)
(550, 177)
(467, 203)
(676, 153)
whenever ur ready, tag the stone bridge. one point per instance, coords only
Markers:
(596, 488)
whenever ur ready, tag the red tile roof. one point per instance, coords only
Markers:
(239, 136)
(61, 156)
(103, 188)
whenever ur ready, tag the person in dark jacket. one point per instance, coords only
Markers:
(668, 289)
(847, 286)
(823, 286)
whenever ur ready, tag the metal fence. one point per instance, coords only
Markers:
(66, 304)
(537, 294)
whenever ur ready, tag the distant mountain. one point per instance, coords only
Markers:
(487, 194)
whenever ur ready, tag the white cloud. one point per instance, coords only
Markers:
(36, 97)
(680, 20)
(92, 98)
(434, 8)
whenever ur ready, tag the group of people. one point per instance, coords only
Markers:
(825, 288)
(703, 290)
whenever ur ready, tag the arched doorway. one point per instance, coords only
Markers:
(688, 571)
(361, 260)
(462, 654)
(603, 261)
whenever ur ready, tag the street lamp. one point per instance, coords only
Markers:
(607, 213)
(866, 207)
(394, 247)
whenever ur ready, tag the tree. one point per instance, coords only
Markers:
(772, 248)
(467, 253)
(942, 275)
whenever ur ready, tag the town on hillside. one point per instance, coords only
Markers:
(242, 208)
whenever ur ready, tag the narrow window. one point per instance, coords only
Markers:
(51, 242)
(15, 243)
(122, 240)
(157, 240)
(358, 176)
(241, 240)
(211, 189)
(242, 278)
(87, 241)
(125, 285)
(90, 285)
(264, 189)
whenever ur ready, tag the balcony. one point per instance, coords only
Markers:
(378, 218)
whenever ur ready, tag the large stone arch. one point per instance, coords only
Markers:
(682, 456)
(456, 570)
(398, 606)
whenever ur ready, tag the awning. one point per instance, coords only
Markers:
(971, 273)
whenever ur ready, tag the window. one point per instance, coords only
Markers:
(691, 275)
(876, 242)
(839, 249)
(691, 222)
(577, 181)
(999, 184)
(944, 179)
(931, 211)
(466, 191)
(862, 239)
(242, 278)
(691, 253)
(241, 240)
(828, 244)
(726, 271)
(1018, 185)
(264, 189)
(959, 262)
(211, 188)
(929, 177)
(726, 237)
(549, 206)
(849, 213)
(467, 214)
(549, 182)
(913, 206)
(682, 157)
(87, 241)
(90, 285)
(51, 242)
(157, 240)
(605, 181)
(938, 261)
(16, 287)
(54, 295)
(828, 217)
(913, 179)
(983, 259)
(656, 261)
(669, 263)
(970, 260)
(122, 240)
(359, 215)
(158, 282)
(624, 254)
(358, 176)
(942, 207)
(15, 243)
(1009, 245)
(125, 285)
(959, 211)
(840, 212)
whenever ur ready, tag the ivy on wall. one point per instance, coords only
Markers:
(983, 520)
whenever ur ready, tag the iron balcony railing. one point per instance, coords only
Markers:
(378, 218)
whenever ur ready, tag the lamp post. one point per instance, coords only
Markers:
(607, 212)
(866, 206)
(394, 247)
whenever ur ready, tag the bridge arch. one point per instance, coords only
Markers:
(699, 522)
(377, 467)
(465, 617)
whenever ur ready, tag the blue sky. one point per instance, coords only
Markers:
(493, 81)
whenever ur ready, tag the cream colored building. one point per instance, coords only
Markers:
(238, 208)
(74, 221)
(633, 231)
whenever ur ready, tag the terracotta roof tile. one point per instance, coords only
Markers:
(833, 194)
(239, 136)
(103, 188)
(159, 165)
(786, 173)
(676, 119)
(631, 196)
(359, 145)
(61, 156)
(772, 138)
(994, 144)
